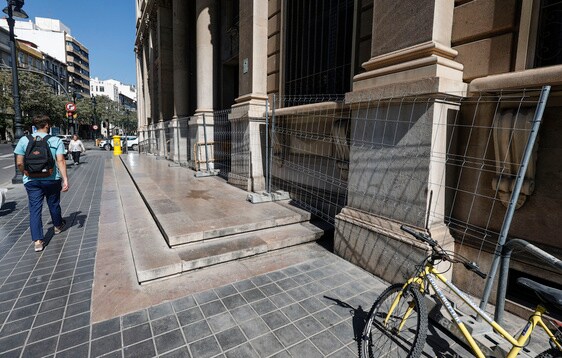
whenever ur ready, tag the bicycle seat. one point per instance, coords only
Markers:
(548, 295)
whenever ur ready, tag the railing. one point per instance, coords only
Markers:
(508, 248)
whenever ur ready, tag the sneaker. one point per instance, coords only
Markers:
(38, 245)
(61, 228)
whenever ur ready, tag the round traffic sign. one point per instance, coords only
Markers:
(70, 107)
(95, 127)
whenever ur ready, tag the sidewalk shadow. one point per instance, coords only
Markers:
(440, 346)
(8, 208)
(359, 318)
(74, 219)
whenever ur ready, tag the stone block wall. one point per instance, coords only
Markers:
(485, 36)
(273, 45)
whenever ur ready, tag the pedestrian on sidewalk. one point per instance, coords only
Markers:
(76, 147)
(39, 188)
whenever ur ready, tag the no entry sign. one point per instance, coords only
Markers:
(70, 107)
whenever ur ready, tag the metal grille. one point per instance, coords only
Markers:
(323, 28)
(387, 147)
(178, 141)
(415, 160)
(310, 153)
(222, 143)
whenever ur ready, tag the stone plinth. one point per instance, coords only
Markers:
(399, 137)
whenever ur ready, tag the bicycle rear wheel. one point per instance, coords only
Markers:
(404, 334)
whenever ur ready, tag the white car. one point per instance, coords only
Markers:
(132, 143)
(65, 139)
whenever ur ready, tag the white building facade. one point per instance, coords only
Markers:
(112, 89)
(54, 38)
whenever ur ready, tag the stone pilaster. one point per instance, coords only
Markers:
(411, 55)
(248, 114)
(202, 139)
(145, 84)
(205, 90)
(178, 146)
(141, 118)
(165, 63)
(204, 55)
(248, 140)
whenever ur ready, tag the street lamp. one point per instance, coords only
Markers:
(14, 8)
(73, 118)
(94, 103)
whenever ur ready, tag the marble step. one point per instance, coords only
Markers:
(189, 209)
(152, 263)
(154, 259)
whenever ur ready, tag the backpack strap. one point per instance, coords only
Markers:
(29, 145)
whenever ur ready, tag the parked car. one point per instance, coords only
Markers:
(132, 143)
(66, 140)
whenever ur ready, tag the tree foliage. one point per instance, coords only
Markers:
(36, 97)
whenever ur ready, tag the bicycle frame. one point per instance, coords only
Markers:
(430, 274)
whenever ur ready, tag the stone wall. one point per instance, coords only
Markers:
(485, 34)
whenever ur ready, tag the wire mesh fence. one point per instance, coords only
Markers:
(430, 162)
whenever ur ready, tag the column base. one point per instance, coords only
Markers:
(379, 246)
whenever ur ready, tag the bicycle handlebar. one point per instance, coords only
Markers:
(471, 266)
(419, 235)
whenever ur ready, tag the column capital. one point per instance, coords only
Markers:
(411, 44)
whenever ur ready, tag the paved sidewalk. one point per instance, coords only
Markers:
(260, 307)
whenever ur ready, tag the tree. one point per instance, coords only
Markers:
(36, 97)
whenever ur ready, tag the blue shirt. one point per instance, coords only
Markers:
(55, 144)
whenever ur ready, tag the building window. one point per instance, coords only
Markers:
(548, 51)
(318, 47)
(102, 89)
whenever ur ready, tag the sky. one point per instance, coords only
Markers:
(105, 27)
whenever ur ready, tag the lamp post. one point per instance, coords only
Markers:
(94, 103)
(73, 116)
(14, 9)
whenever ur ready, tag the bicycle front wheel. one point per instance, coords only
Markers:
(397, 333)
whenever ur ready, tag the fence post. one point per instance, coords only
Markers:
(515, 195)
(205, 139)
(267, 158)
(271, 147)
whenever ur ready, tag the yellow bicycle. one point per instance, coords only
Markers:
(396, 325)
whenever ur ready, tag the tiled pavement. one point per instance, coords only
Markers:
(45, 299)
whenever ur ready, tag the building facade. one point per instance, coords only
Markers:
(29, 57)
(5, 58)
(56, 73)
(54, 39)
(195, 58)
(114, 90)
(78, 66)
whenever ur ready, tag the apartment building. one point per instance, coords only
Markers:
(78, 65)
(54, 38)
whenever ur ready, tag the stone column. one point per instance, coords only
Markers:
(153, 73)
(165, 74)
(146, 84)
(204, 64)
(179, 144)
(248, 112)
(141, 118)
(411, 55)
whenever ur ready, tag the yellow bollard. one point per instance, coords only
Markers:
(117, 145)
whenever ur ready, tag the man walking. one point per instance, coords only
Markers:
(48, 186)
